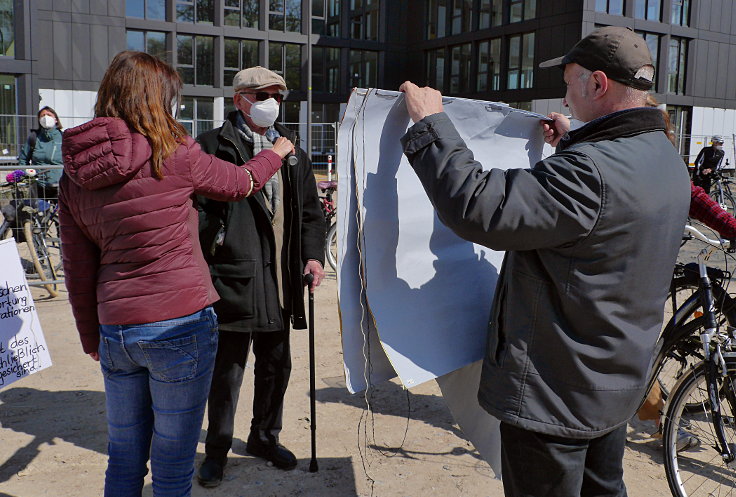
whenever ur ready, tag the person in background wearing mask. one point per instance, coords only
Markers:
(258, 251)
(708, 163)
(43, 147)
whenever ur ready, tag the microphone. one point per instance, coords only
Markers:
(290, 159)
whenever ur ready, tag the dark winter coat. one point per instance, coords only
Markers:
(131, 253)
(591, 233)
(242, 267)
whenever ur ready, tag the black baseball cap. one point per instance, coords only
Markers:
(618, 52)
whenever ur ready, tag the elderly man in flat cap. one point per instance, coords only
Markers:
(591, 233)
(258, 250)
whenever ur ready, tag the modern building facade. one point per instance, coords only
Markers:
(54, 52)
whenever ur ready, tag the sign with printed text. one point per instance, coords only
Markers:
(23, 349)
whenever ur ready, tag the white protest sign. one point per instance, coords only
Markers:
(23, 349)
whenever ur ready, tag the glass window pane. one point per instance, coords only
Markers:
(8, 107)
(616, 7)
(275, 57)
(136, 41)
(156, 9)
(156, 44)
(527, 62)
(515, 11)
(232, 17)
(250, 53)
(184, 11)
(530, 9)
(232, 55)
(250, 13)
(318, 8)
(496, 64)
(135, 8)
(653, 10)
(601, 5)
(184, 50)
(293, 66)
(205, 11)
(293, 16)
(205, 63)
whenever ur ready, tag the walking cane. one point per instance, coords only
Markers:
(308, 279)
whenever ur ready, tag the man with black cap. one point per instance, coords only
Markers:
(257, 250)
(591, 233)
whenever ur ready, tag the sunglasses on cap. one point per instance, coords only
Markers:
(263, 95)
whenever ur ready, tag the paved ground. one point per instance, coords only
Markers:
(53, 434)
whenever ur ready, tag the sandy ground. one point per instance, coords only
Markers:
(53, 432)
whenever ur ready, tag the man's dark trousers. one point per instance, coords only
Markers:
(533, 464)
(272, 370)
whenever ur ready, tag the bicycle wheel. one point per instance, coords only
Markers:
(693, 463)
(726, 201)
(40, 257)
(331, 246)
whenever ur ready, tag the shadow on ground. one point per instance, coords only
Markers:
(75, 416)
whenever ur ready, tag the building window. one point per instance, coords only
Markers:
(196, 115)
(326, 17)
(241, 13)
(490, 13)
(525, 105)
(285, 15)
(461, 16)
(436, 18)
(613, 7)
(8, 114)
(489, 65)
(151, 42)
(652, 40)
(286, 60)
(239, 54)
(195, 59)
(676, 66)
(680, 12)
(436, 68)
(364, 19)
(521, 62)
(522, 10)
(197, 11)
(7, 28)
(460, 68)
(647, 9)
(147, 9)
(326, 69)
(325, 113)
(363, 68)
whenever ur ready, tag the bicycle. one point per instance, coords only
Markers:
(702, 404)
(721, 192)
(329, 210)
(36, 220)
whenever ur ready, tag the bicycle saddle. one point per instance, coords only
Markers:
(325, 185)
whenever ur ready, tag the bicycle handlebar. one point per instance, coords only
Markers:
(721, 243)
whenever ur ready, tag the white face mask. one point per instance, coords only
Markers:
(47, 121)
(264, 114)
(718, 147)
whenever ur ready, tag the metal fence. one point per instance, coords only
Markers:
(14, 131)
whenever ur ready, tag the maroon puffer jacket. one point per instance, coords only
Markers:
(130, 241)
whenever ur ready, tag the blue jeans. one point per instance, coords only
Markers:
(157, 377)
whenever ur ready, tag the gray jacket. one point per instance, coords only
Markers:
(592, 234)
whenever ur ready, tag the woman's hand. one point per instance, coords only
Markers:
(283, 147)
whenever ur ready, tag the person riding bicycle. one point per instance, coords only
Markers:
(708, 163)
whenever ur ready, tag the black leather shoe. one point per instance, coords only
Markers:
(280, 456)
(210, 473)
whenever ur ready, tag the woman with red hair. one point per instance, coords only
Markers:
(138, 284)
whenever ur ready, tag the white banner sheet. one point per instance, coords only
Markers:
(415, 298)
(23, 348)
